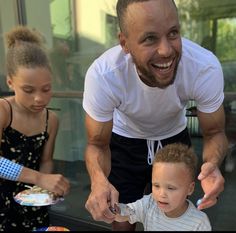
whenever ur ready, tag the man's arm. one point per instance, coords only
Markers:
(97, 155)
(215, 141)
(215, 146)
(98, 163)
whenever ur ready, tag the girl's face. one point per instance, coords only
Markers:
(32, 87)
(171, 184)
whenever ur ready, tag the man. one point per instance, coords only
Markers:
(135, 97)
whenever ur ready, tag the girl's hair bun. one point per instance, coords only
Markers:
(22, 34)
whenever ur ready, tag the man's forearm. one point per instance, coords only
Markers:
(97, 162)
(215, 148)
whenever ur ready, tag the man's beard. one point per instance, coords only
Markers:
(149, 79)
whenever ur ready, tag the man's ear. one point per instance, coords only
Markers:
(123, 43)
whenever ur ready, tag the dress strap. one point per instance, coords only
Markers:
(47, 115)
(10, 111)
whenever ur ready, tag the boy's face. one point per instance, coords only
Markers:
(171, 184)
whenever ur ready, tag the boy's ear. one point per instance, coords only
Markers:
(191, 188)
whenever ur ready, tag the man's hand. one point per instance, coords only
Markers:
(212, 183)
(102, 197)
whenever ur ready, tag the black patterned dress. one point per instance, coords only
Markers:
(26, 151)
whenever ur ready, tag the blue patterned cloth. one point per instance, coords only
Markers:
(9, 170)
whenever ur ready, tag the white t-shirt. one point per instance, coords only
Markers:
(146, 211)
(113, 90)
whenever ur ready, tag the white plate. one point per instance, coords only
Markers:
(35, 199)
(52, 228)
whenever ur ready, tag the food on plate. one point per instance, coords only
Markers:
(36, 196)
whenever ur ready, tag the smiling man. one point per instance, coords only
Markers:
(135, 97)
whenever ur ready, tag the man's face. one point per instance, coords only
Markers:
(152, 37)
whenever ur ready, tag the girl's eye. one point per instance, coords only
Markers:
(47, 89)
(28, 91)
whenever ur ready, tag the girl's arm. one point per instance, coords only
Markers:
(55, 183)
(46, 165)
(9, 170)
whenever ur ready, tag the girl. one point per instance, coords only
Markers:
(27, 130)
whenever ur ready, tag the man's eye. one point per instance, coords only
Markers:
(150, 39)
(174, 34)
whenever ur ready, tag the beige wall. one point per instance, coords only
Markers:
(90, 18)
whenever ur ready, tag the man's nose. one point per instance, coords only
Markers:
(164, 47)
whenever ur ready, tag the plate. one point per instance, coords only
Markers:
(52, 228)
(35, 196)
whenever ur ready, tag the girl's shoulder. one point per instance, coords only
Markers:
(5, 103)
(5, 112)
(53, 120)
(52, 114)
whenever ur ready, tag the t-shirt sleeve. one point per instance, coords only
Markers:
(98, 100)
(205, 224)
(139, 207)
(209, 89)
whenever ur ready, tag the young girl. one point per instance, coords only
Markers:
(168, 207)
(27, 131)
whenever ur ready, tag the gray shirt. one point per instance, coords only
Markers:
(146, 211)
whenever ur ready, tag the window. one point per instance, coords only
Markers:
(78, 31)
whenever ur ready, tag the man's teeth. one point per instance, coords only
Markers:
(163, 65)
